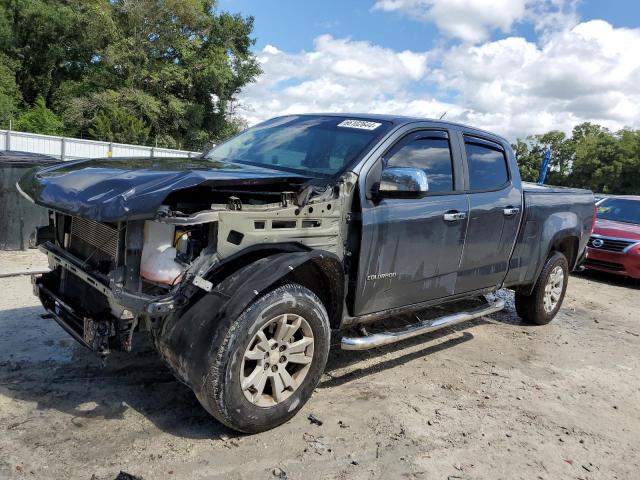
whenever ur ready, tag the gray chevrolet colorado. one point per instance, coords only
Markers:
(240, 263)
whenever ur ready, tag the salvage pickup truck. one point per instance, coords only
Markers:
(241, 262)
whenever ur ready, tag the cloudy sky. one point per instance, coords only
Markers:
(516, 67)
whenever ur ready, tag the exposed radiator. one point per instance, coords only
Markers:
(87, 236)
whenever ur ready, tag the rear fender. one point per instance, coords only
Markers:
(557, 229)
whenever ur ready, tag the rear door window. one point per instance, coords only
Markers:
(487, 164)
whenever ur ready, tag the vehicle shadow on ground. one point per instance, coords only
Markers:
(71, 379)
(74, 381)
(609, 279)
(340, 360)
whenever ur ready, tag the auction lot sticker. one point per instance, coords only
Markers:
(361, 124)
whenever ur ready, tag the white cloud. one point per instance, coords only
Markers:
(473, 21)
(512, 86)
(588, 73)
(468, 20)
(271, 50)
(338, 75)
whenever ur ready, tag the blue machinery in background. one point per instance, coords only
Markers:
(545, 165)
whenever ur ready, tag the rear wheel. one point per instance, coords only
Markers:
(546, 299)
(270, 360)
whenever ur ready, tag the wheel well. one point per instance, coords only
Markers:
(247, 256)
(322, 274)
(568, 246)
(325, 278)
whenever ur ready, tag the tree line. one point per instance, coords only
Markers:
(591, 157)
(163, 72)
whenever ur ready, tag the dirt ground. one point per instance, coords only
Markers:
(491, 399)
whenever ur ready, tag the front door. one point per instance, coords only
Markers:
(495, 208)
(411, 248)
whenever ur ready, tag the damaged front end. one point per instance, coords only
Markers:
(111, 279)
(94, 289)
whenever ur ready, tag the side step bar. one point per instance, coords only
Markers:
(415, 329)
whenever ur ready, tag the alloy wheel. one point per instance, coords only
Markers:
(553, 289)
(277, 360)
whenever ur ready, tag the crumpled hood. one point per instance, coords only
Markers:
(113, 189)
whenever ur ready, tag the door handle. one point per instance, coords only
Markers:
(510, 211)
(454, 216)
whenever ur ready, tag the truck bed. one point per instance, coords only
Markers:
(537, 188)
(550, 213)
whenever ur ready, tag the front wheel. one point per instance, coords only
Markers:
(544, 302)
(270, 360)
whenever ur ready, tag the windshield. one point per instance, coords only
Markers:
(620, 210)
(318, 145)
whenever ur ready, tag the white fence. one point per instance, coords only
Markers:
(73, 148)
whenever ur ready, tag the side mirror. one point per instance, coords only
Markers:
(403, 182)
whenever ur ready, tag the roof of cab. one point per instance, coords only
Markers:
(402, 120)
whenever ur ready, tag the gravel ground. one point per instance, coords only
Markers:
(491, 399)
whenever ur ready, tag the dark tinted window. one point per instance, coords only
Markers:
(429, 154)
(620, 210)
(487, 166)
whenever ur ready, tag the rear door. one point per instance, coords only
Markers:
(411, 247)
(495, 208)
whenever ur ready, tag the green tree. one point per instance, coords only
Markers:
(605, 162)
(9, 93)
(562, 153)
(118, 125)
(529, 158)
(593, 157)
(39, 119)
(600, 163)
(530, 154)
(629, 182)
(587, 129)
(53, 41)
(177, 65)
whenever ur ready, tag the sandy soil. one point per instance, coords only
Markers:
(22, 262)
(492, 399)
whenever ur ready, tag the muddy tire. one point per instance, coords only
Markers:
(546, 299)
(269, 361)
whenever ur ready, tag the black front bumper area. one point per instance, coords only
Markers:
(96, 333)
(98, 314)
